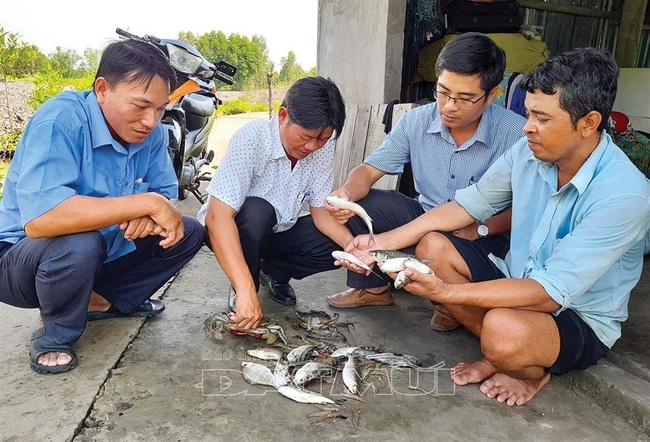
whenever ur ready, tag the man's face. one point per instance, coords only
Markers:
(551, 136)
(131, 109)
(462, 86)
(299, 142)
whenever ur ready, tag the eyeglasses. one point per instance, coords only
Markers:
(461, 103)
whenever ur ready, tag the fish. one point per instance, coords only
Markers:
(351, 375)
(418, 265)
(339, 255)
(310, 371)
(281, 374)
(343, 352)
(266, 354)
(301, 353)
(258, 374)
(304, 396)
(401, 280)
(354, 208)
(382, 255)
(395, 359)
(394, 265)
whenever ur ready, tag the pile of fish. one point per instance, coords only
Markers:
(389, 261)
(324, 357)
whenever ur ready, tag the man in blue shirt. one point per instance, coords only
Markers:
(450, 144)
(580, 211)
(86, 208)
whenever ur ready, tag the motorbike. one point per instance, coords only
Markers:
(189, 117)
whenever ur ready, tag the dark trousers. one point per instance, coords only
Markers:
(58, 274)
(303, 250)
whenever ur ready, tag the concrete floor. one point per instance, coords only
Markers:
(162, 379)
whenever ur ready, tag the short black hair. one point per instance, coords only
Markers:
(137, 61)
(473, 53)
(315, 103)
(585, 78)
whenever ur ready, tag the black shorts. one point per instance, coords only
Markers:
(579, 345)
(475, 254)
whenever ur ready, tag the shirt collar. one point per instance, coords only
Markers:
(101, 135)
(482, 133)
(278, 150)
(585, 174)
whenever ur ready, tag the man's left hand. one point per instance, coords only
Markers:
(425, 285)
(140, 228)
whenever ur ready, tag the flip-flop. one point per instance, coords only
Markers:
(148, 309)
(41, 344)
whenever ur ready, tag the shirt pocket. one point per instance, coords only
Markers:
(140, 187)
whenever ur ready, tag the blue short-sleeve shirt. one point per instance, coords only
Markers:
(67, 149)
(440, 166)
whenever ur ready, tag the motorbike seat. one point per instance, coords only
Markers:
(198, 104)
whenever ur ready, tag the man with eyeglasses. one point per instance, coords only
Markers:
(450, 144)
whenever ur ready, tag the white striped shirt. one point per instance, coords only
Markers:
(256, 164)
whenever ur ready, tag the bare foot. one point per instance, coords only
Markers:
(472, 372)
(52, 358)
(513, 391)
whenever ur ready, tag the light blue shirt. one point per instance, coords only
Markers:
(440, 167)
(584, 242)
(66, 150)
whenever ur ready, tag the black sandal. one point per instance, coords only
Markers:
(148, 309)
(42, 344)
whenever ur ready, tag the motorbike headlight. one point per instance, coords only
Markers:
(182, 60)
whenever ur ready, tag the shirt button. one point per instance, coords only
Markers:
(453, 176)
(448, 201)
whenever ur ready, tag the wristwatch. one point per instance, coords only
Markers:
(482, 231)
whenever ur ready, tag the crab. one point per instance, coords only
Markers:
(218, 322)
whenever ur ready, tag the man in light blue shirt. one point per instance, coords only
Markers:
(580, 211)
(85, 220)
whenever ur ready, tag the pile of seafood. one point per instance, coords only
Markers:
(323, 356)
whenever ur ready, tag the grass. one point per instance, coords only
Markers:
(243, 105)
(4, 166)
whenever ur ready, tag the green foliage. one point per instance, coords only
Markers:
(250, 56)
(50, 82)
(290, 70)
(9, 141)
(4, 166)
(240, 106)
(17, 59)
(68, 63)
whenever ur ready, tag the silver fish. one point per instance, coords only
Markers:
(401, 280)
(266, 354)
(304, 396)
(350, 375)
(392, 265)
(339, 255)
(343, 352)
(281, 374)
(301, 353)
(383, 255)
(354, 208)
(418, 265)
(310, 371)
(395, 359)
(258, 374)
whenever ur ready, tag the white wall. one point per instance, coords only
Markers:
(633, 97)
(360, 47)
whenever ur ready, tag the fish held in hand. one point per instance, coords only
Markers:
(355, 208)
(339, 255)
